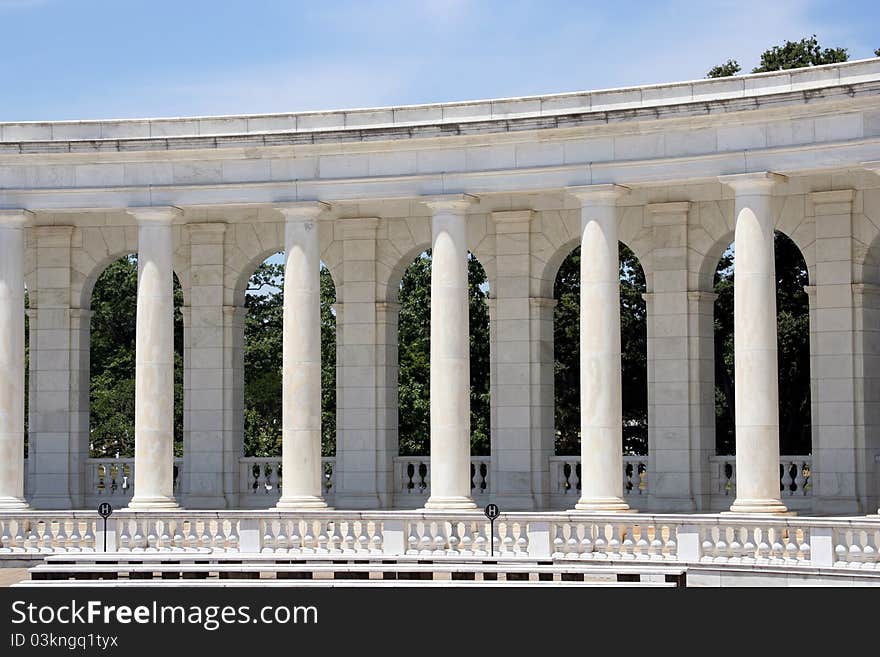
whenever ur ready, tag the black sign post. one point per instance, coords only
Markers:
(492, 512)
(104, 510)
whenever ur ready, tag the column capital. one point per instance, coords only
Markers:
(761, 182)
(15, 217)
(668, 214)
(454, 203)
(301, 210)
(863, 289)
(154, 214)
(597, 194)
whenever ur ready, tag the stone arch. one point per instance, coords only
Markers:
(557, 233)
(715, 232)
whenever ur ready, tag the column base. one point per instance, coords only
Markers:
(151, 503)
(746, 506)
(15, 503)
(603, 505)
(302, 502)
(452, 502)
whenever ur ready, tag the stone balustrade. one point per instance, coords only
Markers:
(412, 479)
(112, 480)
(260, 479)
(847, 543)
(794, 481)
(565, 480)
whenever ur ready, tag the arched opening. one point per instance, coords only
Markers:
(113, 303)
(566, 375)
(263, 353)
(414, 362)
(793, 345)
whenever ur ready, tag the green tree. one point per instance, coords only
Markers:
(728, 68)
(793, 344)
(566, 347)
(414, 355)
(263, 353)
(791, 54)
(112, 361)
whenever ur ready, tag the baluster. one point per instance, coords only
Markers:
(178, 539)
(467, 539)
(778, 549)
(791, 548)
(124, 536)
(75, 541)
(481, 544)
(234, 538)
(856, 553)
(627, 478)
(577, 473)
(566, 474)
(707, 544)
(671, 546)
(627, 547)
(787, 480)
(348, 539)
(600, 544)
(558, 541)
(268, 536)
(323, 539)
(412, 541)
(425, 542)
(800, 480)
(309, 540)
(440, 541)
(219, 543)
(59, 542)
(484, 474)
(736, 547)
(587, 548)
(191, 542)
(642, 545)
(205, 539)
(378, 540)
(137, 538)
(508, 542)
(454, 539)
(164, 537)
(763, 550)
(283, 541)
(152, 537)
(364, 539)
(88, 542)
(423, 477)
(5, 536)
(573, 546)
(522, 540)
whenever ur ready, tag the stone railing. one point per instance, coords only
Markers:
(794, 481)
(689, 539)
(112, 480)
(260, 480)
(565, 480)
(412, 479)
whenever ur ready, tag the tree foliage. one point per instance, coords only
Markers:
(566, 347)
(112, 361)
(728, 68)
(791, 54)
(793, 344)
(263, 353)
(414, 355)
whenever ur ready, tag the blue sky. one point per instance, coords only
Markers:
(69, 59)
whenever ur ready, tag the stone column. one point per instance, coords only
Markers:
(301, 377)
(12, 358)
(755, 357)
(450, 356)
(154, 361)
(601, 408)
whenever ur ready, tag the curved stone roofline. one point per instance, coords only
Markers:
(549, 105)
